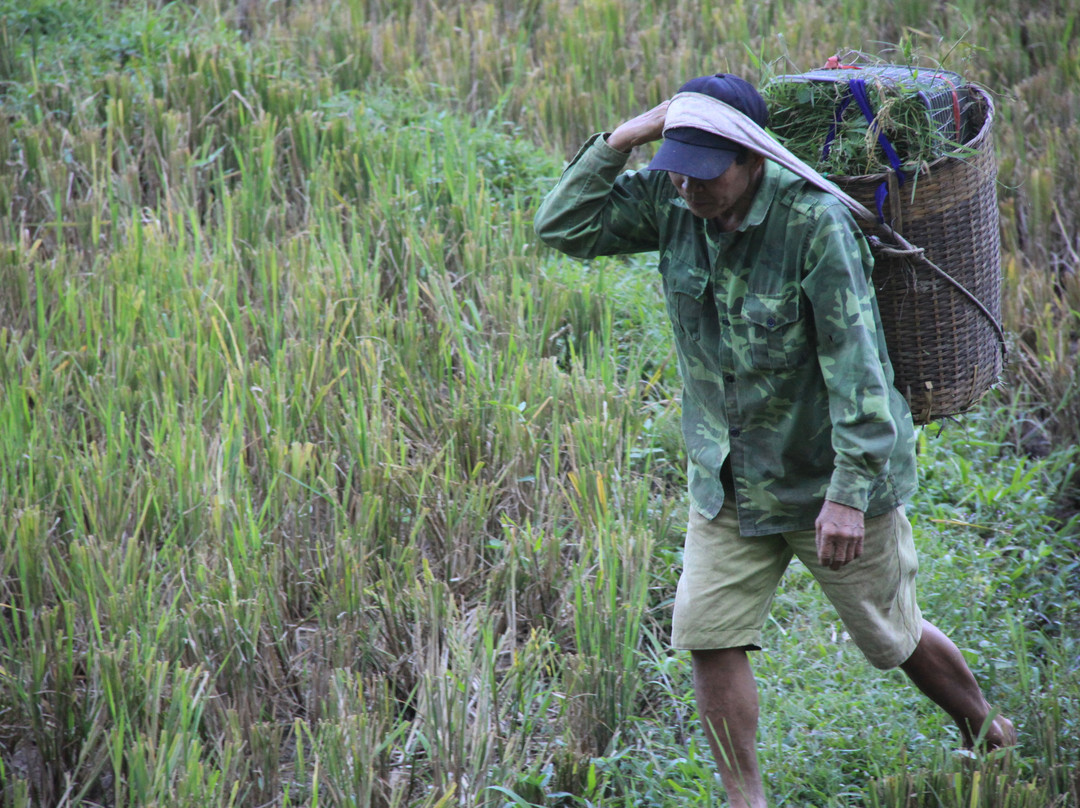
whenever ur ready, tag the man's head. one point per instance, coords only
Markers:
(704, 155)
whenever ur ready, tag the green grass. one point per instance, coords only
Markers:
(321, 483)
(801, 115)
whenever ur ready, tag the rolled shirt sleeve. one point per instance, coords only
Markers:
(598, 209)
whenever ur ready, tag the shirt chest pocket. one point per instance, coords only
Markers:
(776, 334)
(686, 292)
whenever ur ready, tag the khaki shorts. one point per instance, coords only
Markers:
(728, 583)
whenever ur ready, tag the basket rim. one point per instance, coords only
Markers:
(886, 72)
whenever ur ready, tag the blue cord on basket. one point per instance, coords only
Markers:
(856, 89)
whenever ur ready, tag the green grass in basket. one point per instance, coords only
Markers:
(800, 114)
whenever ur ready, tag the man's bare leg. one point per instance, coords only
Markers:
(938, 669)
(727, 703)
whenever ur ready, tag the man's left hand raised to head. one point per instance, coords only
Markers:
(645, 128)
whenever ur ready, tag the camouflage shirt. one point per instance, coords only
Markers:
(778, 335)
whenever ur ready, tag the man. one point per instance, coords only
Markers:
(798, 443)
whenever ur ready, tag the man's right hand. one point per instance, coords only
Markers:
(645, 128)
(840, 531)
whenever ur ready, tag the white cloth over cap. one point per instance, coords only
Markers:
(710, 114)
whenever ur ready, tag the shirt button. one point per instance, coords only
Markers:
(725, 322)
(770, 322)
(729, 379)
(733, 432)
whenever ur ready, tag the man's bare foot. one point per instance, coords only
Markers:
(1001, 734)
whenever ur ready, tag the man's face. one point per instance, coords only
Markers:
(723, 198)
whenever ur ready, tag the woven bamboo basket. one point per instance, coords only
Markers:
(942, 315)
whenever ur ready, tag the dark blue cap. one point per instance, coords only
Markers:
(704, 155)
